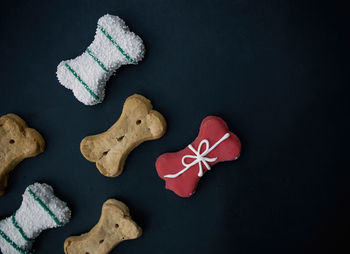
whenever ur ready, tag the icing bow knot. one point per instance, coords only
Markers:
(199, 157)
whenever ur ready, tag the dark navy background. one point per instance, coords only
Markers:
(276, 71)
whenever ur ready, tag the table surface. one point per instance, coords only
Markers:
(276, 71)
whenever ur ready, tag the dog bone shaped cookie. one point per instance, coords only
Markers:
(113, 46)
(17, 142)
(40, 210)
(182, 170)
(137, 123)
(114, 226)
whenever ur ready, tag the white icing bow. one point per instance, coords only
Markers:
(199, 157)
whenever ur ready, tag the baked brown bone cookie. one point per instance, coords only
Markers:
(114, 226)
(17, 142)
(137, 123)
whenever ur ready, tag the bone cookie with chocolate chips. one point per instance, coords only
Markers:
(115, 225)
(17, 142)
(137, 123)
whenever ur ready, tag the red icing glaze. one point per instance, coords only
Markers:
(212, 128)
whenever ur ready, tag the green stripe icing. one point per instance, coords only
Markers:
(42, 204)
(20, 230)
(13, 244)
(116, 44)
(83, 83)
(97, 60)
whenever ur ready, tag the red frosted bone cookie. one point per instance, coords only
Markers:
(182, 170)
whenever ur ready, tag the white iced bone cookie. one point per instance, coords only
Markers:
(40, 210)
(114, 45)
